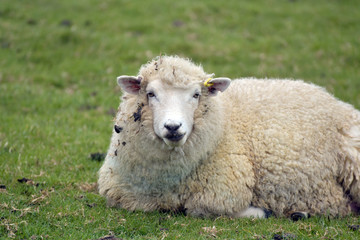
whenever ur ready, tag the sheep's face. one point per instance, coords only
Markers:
(172, 106)
(173, 110)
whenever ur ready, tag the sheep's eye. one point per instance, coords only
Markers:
(150, 94)
(196, 95)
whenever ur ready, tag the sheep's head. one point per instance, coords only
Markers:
(172, 101)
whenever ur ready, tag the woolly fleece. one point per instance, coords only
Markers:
(282, 145)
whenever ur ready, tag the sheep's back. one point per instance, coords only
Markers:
(291, 133)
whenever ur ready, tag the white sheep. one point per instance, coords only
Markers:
(282, 145)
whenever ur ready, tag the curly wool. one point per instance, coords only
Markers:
(278, 144)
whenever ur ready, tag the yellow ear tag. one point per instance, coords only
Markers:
(207, 84)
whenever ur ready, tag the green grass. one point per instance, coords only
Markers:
(58, 65)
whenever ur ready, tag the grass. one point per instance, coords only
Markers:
(58, 64)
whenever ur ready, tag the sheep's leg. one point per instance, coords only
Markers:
(296, 216)
(253, 212)
(256, 212)
(221, 187)
(250, 212)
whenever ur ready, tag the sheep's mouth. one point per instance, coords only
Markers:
(175, 137)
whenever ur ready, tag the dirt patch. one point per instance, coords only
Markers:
(28, 182)
(97, 156)
(354, 227)
(87, 107)
(91, 205)
(31, 21)
(137, 114)
(66, 23)
(118, 129)
(88, 187)
(109, 237)
(284, 236)
(178, 23)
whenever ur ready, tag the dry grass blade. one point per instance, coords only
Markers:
(212, 231)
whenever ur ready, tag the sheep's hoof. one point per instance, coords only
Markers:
(268, 212)
(296, 216)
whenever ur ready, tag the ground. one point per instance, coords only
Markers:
(58, 94)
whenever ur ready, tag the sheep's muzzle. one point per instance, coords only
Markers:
(174, 137)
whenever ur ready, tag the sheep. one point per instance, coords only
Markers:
(184, 141)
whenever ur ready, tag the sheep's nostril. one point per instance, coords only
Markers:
(172, 127)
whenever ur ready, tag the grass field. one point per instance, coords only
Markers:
(58, 65)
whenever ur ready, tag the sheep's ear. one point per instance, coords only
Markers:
(130, 84)
(214, 85)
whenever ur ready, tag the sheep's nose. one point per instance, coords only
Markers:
(172, 127)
